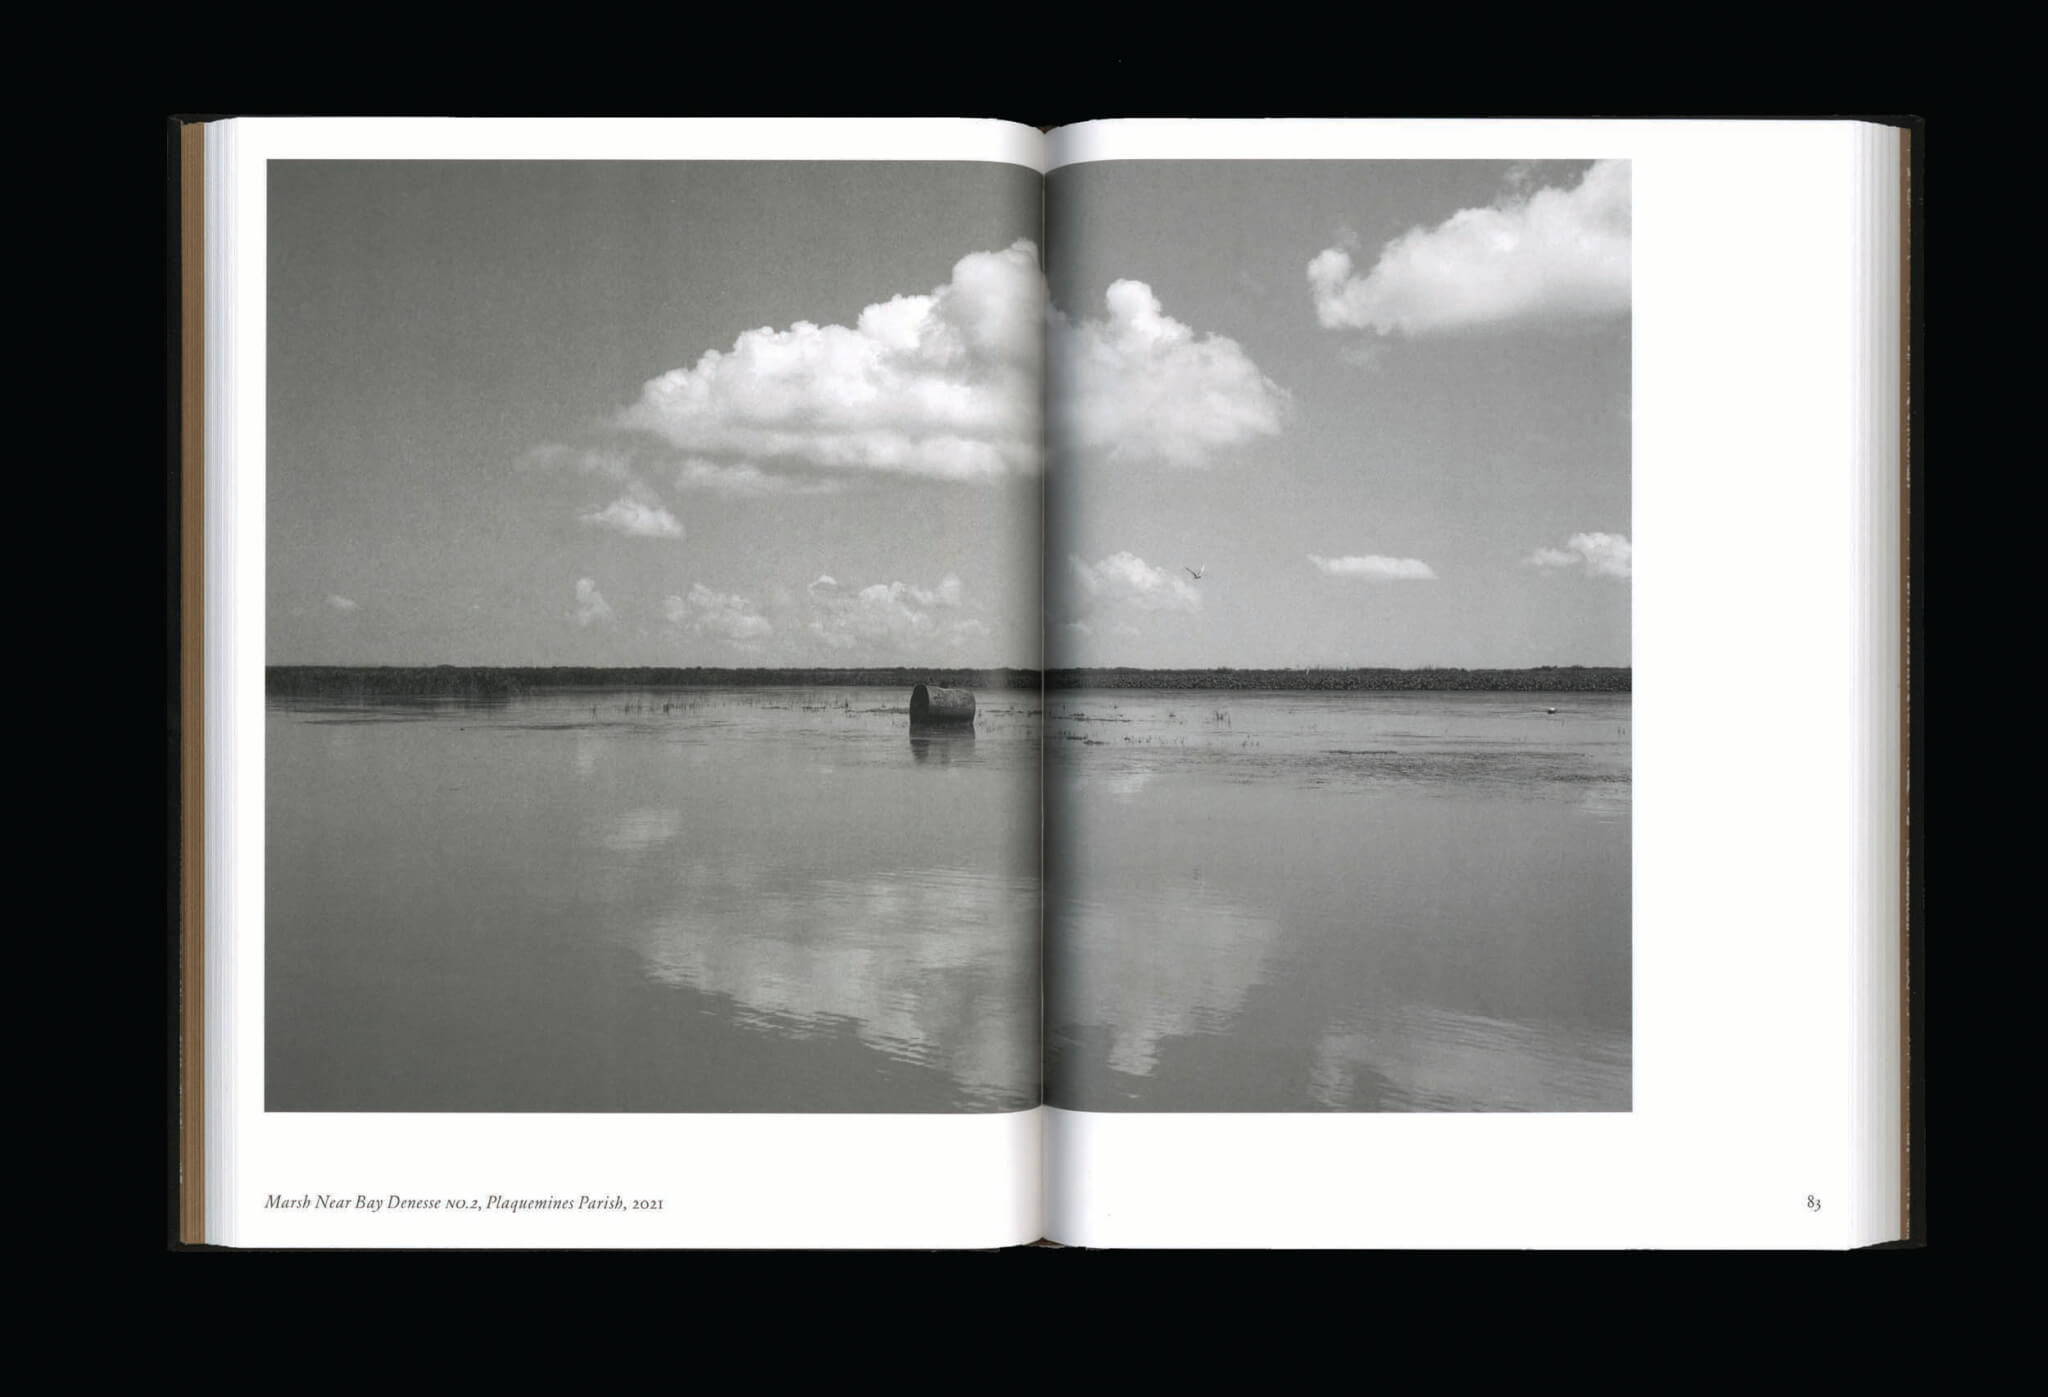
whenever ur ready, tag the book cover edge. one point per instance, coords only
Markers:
(1905, 681)
(191, 697)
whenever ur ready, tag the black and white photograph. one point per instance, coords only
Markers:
(618, 512)
(874, 637)
(1338, 578)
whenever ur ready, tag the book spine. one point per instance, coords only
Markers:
(192, 1154)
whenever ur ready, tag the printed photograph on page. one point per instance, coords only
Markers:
(1338, 710)
(653, 637)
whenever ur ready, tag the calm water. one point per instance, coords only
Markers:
(774, 900)
(723, 900)
(1361, 902)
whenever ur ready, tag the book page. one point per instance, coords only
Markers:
(1456, 799)
(629, 607)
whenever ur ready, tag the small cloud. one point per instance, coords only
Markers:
(748, 481)
(1550, 255)
(726, 615)
(1597, 555)
(949, 592)
(1374, 568)
(602, 462)
(892, 614)
(634, 518)
(1139, 386)
(343, 605)
(591, 608)
(1124, 582)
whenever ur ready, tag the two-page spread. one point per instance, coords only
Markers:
(928, 684)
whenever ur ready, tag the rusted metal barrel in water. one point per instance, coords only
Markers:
(933, 709)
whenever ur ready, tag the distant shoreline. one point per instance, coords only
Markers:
(500, 681)
(1544, 679)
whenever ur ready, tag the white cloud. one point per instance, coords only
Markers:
(945, 384)
(1140, 386)
(603, 462)
(1374, 568)
(1598, 555)
(1125, 582)
(634, 518)
(591, 607)
(748, 482)
(726, 615)
(1553, 254)
(892, 614)
(344, 605)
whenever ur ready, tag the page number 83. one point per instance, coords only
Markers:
(1812, 1203)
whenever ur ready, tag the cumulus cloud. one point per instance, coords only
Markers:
(745, 481)
(890, 613)
(1138, 385)
(1374, 568)
(591, 609)
(1548, 255)
(1124, 582)
(1597, 555)
(343, 605)
(726, 615)
(634, 518)
(945, 384)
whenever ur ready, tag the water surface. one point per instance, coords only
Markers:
(1346, 901)
(677, 901)
(777, 900)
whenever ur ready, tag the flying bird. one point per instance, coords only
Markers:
(1195, 573)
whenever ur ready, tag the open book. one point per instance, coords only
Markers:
(933, 684)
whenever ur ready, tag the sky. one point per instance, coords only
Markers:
(664, 413)
(1383, 406)
(749, 414)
